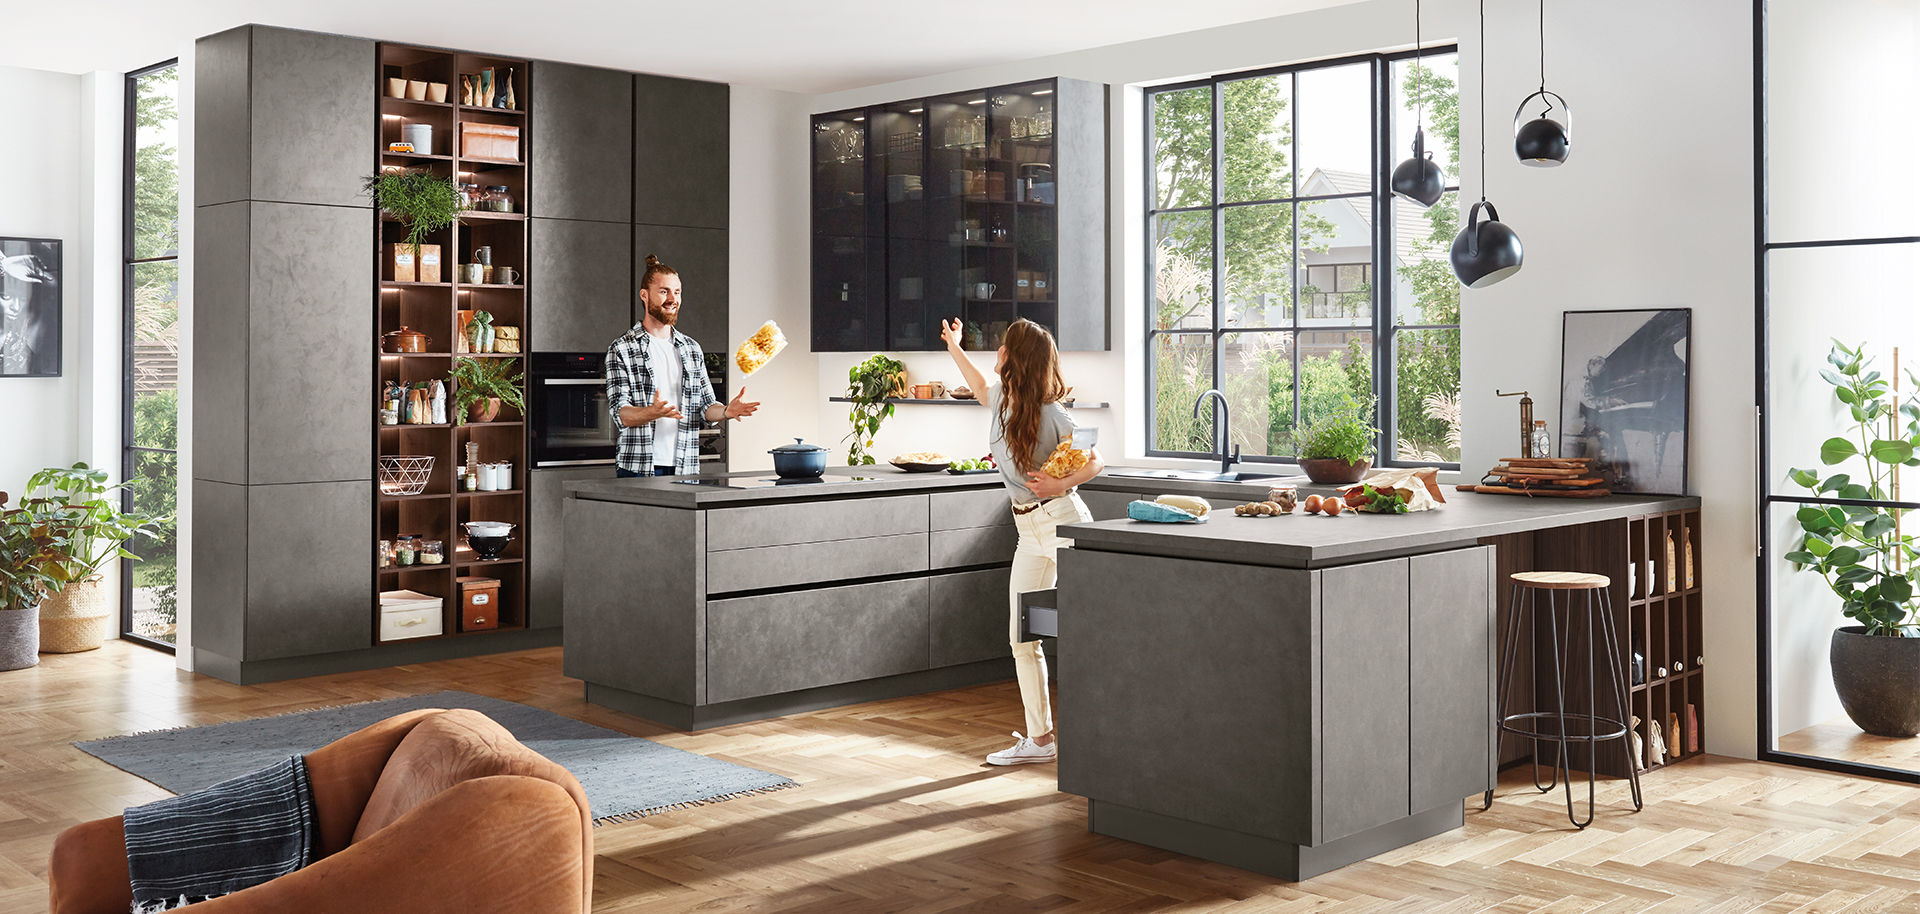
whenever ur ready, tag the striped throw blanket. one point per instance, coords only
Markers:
(236, 834)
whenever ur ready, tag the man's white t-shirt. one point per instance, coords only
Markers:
(667, 380)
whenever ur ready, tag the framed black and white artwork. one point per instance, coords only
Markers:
(1624, 395)
(29, 308)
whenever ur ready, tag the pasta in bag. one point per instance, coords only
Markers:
(760, 348)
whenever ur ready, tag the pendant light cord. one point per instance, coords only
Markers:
(1419, 67)
(1543, 45)
(1483, 101)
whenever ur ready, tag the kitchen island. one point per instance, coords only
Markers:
(1292, 694)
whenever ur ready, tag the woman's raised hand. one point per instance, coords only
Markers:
(950, 333)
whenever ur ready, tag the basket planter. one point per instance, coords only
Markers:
(19, 638)
(1878, 679)
(78, 618)
(1328, 471)
(404, 474)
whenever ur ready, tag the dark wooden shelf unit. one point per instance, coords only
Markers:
(434, 308)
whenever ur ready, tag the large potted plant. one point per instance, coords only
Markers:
(481, 385)
(424, 202)
(1336, 450)
(52, 547)
(869, 385)
(1861, 550)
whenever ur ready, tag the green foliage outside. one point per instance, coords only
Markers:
(1427, 378)
(154, 485)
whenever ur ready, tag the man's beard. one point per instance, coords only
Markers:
(660, 314)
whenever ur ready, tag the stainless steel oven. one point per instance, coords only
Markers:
(567, 408)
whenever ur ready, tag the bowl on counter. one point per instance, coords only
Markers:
(922, 463)
(799, 460)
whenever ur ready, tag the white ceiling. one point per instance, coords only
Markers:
(811, 48)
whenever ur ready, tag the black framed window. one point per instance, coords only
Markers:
(1269, 232)
(151, 401)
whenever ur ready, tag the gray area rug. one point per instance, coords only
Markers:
(625, 777)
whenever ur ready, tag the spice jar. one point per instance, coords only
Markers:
(467, 195)
(498, 200)
(406, 549)
(386, 553)
(432, 552)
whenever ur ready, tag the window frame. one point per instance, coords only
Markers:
(1383, 329)
(129, 266)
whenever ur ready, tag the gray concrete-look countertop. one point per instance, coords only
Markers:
(676, 492)
(1302, 540)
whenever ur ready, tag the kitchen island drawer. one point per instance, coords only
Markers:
(811, 563)
(967, 617)
(971, 546)
(971, 508)
(764, 645)
(814, 521)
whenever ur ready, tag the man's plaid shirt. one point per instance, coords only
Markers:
(630, 383)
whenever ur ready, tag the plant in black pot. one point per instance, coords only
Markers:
(1861, 551)
(1335, 450)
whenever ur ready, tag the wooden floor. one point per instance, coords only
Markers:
(1839, 739)
(896, 813)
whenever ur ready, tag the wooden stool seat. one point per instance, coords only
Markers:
(1561, 580)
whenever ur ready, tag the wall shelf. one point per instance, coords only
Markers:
(949, 401)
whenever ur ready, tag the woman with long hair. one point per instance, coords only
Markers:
(1026, 422)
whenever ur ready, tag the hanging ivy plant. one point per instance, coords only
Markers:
(869, 384)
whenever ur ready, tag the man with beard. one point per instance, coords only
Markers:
(656, 377)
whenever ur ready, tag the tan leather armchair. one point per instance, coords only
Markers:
(429, 811)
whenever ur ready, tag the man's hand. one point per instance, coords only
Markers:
(740, 407)
(636, 416)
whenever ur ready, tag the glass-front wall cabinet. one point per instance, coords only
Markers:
(958, 199)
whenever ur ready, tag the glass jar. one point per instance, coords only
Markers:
(432, 552)
(1542, 443)
(468, 195)
(498, 200)
(386, 553)
(406, 549)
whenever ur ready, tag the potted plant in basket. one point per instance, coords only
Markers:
(1335, 451)
(869, 384)
(52, 547)
(1861, 551)
(481, 385)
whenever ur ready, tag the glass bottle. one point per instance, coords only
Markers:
(1542, 442)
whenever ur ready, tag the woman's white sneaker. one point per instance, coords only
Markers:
(1024, 752)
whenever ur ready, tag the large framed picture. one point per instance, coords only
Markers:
(1624, 395)
(29, 308)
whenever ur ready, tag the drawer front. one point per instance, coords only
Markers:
(974, 508)
(410, 623)
(776, 643)
(1108, 505)
(812, 563)
(968, 617)
(814, 521)
(971, 546)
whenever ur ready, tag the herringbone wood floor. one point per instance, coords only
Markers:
(1840, 739)
(897, 813)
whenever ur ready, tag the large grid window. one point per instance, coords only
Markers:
(150, 426)
(1270, 229)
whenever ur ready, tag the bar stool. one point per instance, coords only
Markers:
(1574, 595)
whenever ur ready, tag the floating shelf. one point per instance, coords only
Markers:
(949, 401)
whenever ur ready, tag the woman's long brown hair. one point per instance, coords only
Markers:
(1028, 381)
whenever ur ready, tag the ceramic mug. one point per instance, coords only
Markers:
(923, 391)
(396, 88)
(983, 290)
(939, 388)
(470, 273)
(417, 89)
(505, 276)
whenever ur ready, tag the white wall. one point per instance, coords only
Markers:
(1637, 219)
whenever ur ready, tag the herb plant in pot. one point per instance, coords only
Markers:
(869, 384)
(424, 202)
(1335, 451)
(481, 385)
(52, 547)
(1861, 551)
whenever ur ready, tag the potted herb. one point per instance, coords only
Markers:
(869, 384)
(424, 202)
(1861, 552)
(1335, 451)
(481, 385)
(52, 547)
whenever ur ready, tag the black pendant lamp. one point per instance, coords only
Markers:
(1484, 252)
(1419, 178)
(1543, 142)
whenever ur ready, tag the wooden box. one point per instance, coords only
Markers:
(428, 269)
(400, 260)
(479, 604)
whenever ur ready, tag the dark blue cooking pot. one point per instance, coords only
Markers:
(799, 460)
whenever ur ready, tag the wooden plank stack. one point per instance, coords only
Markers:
(1556, 477)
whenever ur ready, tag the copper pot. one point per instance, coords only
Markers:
(405, 340)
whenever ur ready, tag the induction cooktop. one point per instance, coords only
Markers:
(769, 483)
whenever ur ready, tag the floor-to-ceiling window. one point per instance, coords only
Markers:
(152, 281)
(1282, 272)
(1838, 255)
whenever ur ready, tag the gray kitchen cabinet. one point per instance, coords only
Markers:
(1109, 505)
(579, 282)
(546, 571)
(585, 154)
(815, 522)
(284, 115)
(763, 645)
(793, 564)
(680, 151)
(307, 569)
(700, 255)
(967, 616)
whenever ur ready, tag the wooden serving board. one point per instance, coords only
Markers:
(1543, 493)
(1538, 471)
(1569, 462)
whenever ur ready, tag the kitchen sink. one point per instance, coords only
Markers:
(1194, 475)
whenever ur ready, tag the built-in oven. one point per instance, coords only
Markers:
(713, 439)
(567, 409)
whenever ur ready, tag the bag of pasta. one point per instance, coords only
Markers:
(1065, 460)
(760, 348)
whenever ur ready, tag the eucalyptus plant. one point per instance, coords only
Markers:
(1861, 549)
(869, 384)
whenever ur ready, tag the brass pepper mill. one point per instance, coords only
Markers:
(1526, 419)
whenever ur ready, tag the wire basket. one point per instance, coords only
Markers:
(404, 474)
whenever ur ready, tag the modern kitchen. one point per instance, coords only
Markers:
(1378, 499)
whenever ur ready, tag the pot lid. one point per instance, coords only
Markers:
(404, 332)
(799, 446)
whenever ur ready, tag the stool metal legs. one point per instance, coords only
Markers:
(1602, 645)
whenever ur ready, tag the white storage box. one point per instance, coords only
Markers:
(407, 614)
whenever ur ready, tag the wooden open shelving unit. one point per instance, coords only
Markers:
(432, 308)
